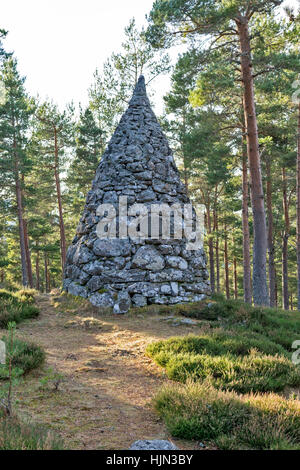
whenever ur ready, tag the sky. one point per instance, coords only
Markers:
(60, 43)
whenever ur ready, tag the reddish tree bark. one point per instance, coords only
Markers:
(47, 276)
(20, 215)
(210, 249)
(235, 279)
(28, 257)
(245, 224)
(227, 289)
(285, 238)
(216, 226)
(271, 250)
(185, 175)
(37, 271)
(56, 168)
(298, 207)
(276, 288)
(26, 239)
(260, 289)
(63, 244)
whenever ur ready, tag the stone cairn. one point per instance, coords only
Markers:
(138, 164)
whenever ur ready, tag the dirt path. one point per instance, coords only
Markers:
(105, 399)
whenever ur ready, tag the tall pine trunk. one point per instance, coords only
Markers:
(26, 239)
(37, 271)
(260, 288)
(210, 249)
(245, 223)
(298, 208)
(21, 233)
(285, 239)
(217, 250)
(63, 247)
(28, 257)
(276, 289)
(186, 179)
(226, 265)
(47, 279)
(185, 169)
(271, 250)
(235, 279)
(20, 213)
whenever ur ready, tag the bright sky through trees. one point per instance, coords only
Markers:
(59, 43)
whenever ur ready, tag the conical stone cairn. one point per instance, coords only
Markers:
(112, 260)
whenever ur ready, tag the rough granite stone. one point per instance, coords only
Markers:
(120, 272)
(102, 300)
(155, 444)
(149, 258)
(77, 290)
(139, 300)
(123, 303)
(111, 248)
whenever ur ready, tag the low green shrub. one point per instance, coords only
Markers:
(242, 361)
(238, 312)
(232, 421)
(26, 295)
(52, 378)
(5, 295)
(218, 342)
(16, 307)
(246, 350)
(29, 311)
(21, 295)
(25, 357)
(213, 309)
(257, 373)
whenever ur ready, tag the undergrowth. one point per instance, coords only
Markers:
(230, 421)
(18, 435)
(229, 374)
(25, 357)
(17, 306)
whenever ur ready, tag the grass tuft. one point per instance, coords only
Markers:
(17, 435)
(242, 362)
(232, 421)
(246, 351)
(17, 307)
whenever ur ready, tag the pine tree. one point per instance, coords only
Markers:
(53, 136)
(231, 28)
(15, 114)
(112, 88)
(3, 53)
(204, 153)
(89, 147)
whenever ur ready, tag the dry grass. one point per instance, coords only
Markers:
(104, 401)
(232, 421)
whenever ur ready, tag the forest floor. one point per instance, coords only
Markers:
(105, 399)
